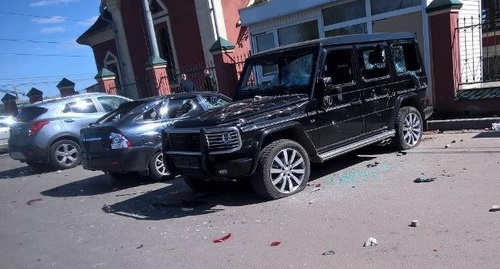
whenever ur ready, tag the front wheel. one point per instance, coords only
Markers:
(409, 128)
(158, 171)
(283, 169)
(65, 154)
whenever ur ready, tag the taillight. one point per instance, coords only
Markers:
(36, 127)
(119, 141)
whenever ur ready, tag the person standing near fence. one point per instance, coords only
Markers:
(186, 84)
(210, 84)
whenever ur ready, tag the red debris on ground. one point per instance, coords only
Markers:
(32, 201)
(318, 185)
(275, 243)
(222, 239)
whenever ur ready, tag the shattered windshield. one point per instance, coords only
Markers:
(279, 75)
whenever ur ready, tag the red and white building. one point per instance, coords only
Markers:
(144, 41)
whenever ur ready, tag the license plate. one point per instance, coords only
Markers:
(186, 162)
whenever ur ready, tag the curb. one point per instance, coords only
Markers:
(461, 124)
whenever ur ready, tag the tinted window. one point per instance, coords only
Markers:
(80, 106)
(344, 12)
(183, 107)
(373, 62)
(297, 33)
(120, 112)
(405, 58)
(213, 101)
(30, 113)
(338, 67)
(110, 103)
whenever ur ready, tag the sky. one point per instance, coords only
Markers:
(38, 45)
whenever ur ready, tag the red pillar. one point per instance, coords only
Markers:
(225, 66)
(107, 81)
(156, 69)
(445, 52)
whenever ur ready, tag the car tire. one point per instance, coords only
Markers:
(158, 170)
(198, 184)
(65, 154)
(409, 128)
(283, 169)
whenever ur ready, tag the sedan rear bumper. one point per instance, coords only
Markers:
(123, 160)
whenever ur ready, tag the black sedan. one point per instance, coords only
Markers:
(128, 139)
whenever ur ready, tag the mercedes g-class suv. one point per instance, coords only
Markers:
(303, 103)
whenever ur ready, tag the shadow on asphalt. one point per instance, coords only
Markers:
(176, 200)
(22, 172)
(95, 185)
(492, 134)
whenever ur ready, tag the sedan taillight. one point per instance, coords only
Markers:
(36, 127)
(119, 141)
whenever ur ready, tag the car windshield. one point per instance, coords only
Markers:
(282, 74)
(121, 111)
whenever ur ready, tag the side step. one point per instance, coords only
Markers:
(362, 143)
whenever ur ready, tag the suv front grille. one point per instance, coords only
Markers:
(184, 141)
(223, 140)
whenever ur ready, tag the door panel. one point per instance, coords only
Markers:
(341, 114)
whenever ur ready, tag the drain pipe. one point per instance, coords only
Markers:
(148, 18)
(215, 19)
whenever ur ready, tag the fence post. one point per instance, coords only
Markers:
(445, 52)
(156, 69)
(225, 67)
(106, 80)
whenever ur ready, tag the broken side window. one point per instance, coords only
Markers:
(405, 58)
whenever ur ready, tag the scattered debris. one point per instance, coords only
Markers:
(316, 189)
(414, 223)
(447, 146)
(424, 179)
(495, 208)
(32, 201)
(222, 239)
(311, 202)
(328, 253)
(318, 185)
(59, 171)
(435, 250)
(495, 126)
(275, 243)
(140, 246)
(402, 153)
(454, 141)
(372, 164)
(370, 242)
(107, 209)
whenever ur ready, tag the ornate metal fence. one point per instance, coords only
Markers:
(479, 49)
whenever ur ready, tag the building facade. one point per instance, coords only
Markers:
(130, 38)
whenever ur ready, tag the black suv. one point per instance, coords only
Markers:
(306, 102)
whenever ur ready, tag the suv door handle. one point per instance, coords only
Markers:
(69, 120)
(358, 102)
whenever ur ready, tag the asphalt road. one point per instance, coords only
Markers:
(83, 219)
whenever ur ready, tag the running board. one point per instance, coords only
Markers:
(353, 146)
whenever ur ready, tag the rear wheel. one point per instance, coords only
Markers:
(65, 154)
(409, 128)
(283, 170)
(158, 171)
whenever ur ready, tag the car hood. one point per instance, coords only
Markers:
(247, 111)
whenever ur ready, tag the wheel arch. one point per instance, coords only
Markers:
(412, 100)
(289, 130)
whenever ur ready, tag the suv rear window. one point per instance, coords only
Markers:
(30, 113)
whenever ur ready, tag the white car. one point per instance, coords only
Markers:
(5, 123)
